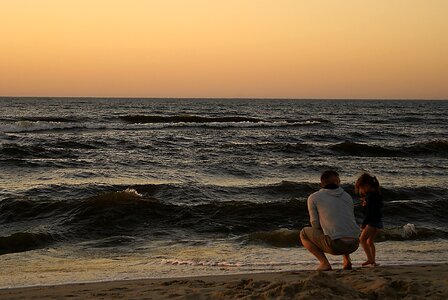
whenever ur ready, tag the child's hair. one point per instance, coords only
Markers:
(368, 179)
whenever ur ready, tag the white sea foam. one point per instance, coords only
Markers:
(260, 124)
(33, 126)
(132, 192)
(30, 126)
(408, 230)
(207, 263)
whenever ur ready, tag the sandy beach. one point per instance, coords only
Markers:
(387, 282)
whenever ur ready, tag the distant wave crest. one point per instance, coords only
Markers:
(185, 119)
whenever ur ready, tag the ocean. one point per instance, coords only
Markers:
(105, 189)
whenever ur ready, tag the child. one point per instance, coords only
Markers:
(368, 188)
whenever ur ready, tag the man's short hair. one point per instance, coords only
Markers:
(328, 175)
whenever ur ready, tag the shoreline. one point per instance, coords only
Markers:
(417, 281)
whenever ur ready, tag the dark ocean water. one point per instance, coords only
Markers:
(121, 173)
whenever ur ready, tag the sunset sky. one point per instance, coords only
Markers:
(231, 48)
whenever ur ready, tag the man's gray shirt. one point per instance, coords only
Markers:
(333, 210)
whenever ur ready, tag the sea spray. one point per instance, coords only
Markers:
(409, 230)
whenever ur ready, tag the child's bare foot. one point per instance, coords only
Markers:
(369, 264)
(324, 267)
(347, 266)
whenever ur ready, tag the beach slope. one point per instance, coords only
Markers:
(388, 282)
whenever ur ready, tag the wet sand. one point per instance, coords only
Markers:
(384, 282)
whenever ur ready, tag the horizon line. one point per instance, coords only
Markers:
(226, 98)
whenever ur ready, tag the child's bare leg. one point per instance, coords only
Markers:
(367, 232)
(371, 244)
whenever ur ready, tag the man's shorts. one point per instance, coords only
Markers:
(326, 244)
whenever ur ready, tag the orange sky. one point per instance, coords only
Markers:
(232, 48)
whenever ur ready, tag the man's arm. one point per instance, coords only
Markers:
(315, 224)
(314, 215)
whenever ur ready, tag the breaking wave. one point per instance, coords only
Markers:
(285, 237)
(150, 210)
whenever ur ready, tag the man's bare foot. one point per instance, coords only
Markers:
(324, 267)
(347, 263)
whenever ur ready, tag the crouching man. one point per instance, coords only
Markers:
(333, 226)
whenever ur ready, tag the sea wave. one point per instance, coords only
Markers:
(52, 119)
(282, 237)
(185, 119)
(229, 125)
(285, 237)
(147, 210)
(39, 126)
(35, 119)
(25, 241)
(137, 123)
(16, 150)
(413, 193)
(127, 209)
(428, 148)
(436, 148)
(272, 146)
(221, 122)
(400, 233)
(234, 203)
